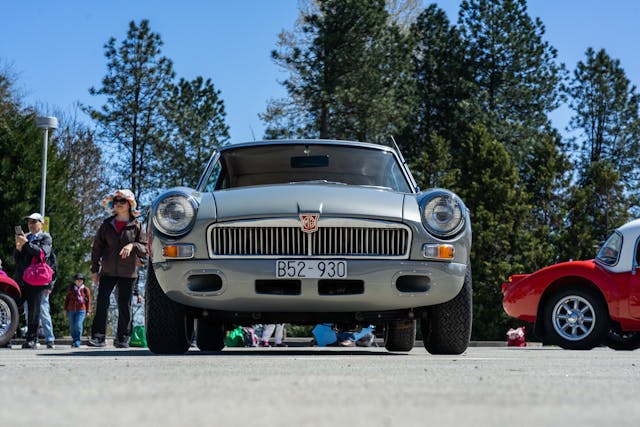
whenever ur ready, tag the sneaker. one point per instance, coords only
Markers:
(30, 344)
(75, 345)
(51, 345)
(264, 344)
(120, 344)
(281, 344)
(97, 342)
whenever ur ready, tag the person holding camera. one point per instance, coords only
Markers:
(28, 247)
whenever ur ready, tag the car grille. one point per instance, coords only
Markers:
(342, 241)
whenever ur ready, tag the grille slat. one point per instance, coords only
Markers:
(292, 241)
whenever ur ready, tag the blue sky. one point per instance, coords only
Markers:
(56, 48)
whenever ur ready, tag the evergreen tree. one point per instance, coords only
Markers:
(20, 174)
(347, 74)
(136, 84)
(606, 117)
(489, 187)
(195, 116)
(545, 177)
(443, 82)
(515, 70)
(607, 128)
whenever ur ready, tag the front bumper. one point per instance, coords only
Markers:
(383, 286)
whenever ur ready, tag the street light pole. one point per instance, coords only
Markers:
(45, 123)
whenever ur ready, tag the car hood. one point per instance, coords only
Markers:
(292, 199)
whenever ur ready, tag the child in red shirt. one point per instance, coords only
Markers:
(77, 305)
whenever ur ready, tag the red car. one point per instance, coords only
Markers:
(583, 304)
(9, 315)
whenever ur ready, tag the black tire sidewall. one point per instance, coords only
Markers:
(167, 326)
(210, 335)
(15, 319)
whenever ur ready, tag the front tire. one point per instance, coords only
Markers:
(400, 335)
(9, 318)
(446, 329)
(210, 335)
(169, 330)
(576, 318)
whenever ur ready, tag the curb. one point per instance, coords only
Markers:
(291, 342)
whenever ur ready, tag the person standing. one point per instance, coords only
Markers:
(267, 331)
(118, 245)
(30, 246)
(77, 304)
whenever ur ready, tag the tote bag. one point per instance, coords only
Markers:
(38, 273)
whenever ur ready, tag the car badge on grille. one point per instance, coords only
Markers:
(309, 222)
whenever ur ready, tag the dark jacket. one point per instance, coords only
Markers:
(75, 302)
(41, 243)
(105, 258)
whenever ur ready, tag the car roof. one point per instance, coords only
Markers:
(632, 227)
(307, 141)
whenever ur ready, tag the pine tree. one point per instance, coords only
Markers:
(135, 86)
(489, 186)
(443, 81)
(607, 125)
(20, 174)
(195, 116)
(606, 116)
(515, 70)
(347, 74)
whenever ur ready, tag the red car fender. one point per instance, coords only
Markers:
(9, 286)
(522, 293)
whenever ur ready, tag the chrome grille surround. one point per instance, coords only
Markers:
(283, 237)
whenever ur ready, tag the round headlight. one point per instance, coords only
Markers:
(442, 215)
(175, 214)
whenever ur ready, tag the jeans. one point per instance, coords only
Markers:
(75, 325)
(45, 319)
(124, 294)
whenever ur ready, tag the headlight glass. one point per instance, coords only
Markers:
(175, 214)
(442, 215)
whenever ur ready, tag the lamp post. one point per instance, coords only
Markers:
(45, 123)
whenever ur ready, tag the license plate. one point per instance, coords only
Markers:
(311, 269)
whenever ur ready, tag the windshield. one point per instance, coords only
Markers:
(307, 163)
(610, 251)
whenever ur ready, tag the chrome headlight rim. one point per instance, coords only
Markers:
(157, 208)
(457, 226)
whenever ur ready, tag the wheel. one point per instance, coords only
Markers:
(576, 319)
(400, 335)
(9, 318)
(619, 340)
(446, 329)
(210, 335)
(169, 330)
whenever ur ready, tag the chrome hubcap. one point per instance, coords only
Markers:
(573, 318)
(5, 317)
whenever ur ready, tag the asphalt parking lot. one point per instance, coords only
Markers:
(531, 386)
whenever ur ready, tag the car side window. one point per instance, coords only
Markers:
(610, 251)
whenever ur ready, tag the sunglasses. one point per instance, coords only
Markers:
(120, 201)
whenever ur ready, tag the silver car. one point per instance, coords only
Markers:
(308, 231)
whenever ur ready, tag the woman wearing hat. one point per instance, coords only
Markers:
(119, 243)
(32, 245)
(77, 304)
